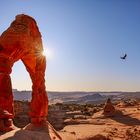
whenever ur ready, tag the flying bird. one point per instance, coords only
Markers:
(123, 57)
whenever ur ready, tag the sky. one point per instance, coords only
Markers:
(86, 39)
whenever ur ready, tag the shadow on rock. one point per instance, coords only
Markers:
(126, 119)
(25, 135)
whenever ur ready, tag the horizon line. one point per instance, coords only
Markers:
(78, 91)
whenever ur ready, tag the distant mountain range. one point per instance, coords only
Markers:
(78, 97)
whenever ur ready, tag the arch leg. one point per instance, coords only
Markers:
(39, 103)
(6, 96)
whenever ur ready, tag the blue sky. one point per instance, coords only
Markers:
(86, 38)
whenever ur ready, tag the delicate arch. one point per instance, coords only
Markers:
(22, 41)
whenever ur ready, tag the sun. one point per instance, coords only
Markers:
(47, 52)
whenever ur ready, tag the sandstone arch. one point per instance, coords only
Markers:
(22, 41)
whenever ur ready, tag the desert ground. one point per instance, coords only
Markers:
(122, 124)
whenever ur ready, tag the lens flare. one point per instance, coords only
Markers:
(46, 52)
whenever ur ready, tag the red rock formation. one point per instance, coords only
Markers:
(56, 116)
(22, 41)
(21, 109)
(109, 109)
